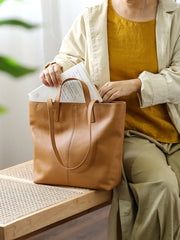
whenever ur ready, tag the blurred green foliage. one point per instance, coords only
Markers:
(12, 67)
(5, 0)
(2, 109)
(8, 64)
(19, 23)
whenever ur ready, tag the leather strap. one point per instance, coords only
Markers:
(57, 100)
(52, 134)
(84, 87)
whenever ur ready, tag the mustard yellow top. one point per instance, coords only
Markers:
(132, 49)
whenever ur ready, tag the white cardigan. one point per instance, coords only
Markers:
(87, 41)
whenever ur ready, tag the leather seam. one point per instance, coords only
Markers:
(70, 142)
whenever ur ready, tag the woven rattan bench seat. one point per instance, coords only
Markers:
(26, 207)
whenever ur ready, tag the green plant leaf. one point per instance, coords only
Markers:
(12, 67)
(15, 22)
(4, 1)
(2, 110)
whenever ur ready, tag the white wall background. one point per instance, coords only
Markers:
(26, 46)
(31, 48)
(58, 18)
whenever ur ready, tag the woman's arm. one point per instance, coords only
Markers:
(163, 87)
(112, 90)
(152, 89)
(73, 47)
(72, 52)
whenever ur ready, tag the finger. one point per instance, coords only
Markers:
(113, 97)
(57, 70)
(42, 76)
(101, 90)
(46, 83)
(48, 78)
(53, 75)
(43, 80)
(104, 89)
(108, 94)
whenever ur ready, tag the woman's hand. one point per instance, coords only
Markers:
(112, 90)
(51, 76)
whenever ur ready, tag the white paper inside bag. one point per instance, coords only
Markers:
(71, 91)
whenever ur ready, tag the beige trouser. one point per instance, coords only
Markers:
(148, 206)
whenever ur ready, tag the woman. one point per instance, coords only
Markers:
(131, 49)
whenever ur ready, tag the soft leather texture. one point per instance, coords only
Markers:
(78, 144)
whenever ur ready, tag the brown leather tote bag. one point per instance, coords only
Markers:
(77, 144)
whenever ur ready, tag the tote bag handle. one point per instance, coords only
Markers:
(84, 87)
(58, 97)
(90, 104)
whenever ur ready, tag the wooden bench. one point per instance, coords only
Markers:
(26, 207)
